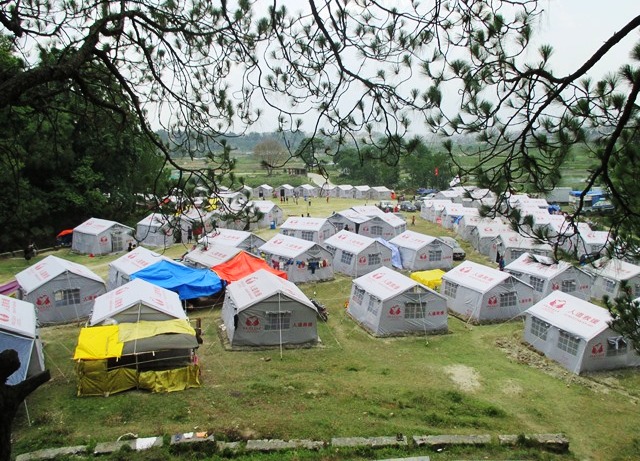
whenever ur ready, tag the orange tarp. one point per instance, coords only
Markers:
(242, 265)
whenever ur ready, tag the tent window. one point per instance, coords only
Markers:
(516, 253)
(326, 234)
(537, 283)
(616, 345)
(568, 343)
(286, 232)
(569, 286)
(346, 257)
(278, 321)
(331, 250)
(403, 227)
(450, 289)
(435, 255)
(376, 230)
(539, 328)
(636, 290)
(609, 285)
(358, 295)
(414, 310)
(515, 274)
(508, 299)
(67, 297)
(374, 259)
(307, 235)
(373, 305)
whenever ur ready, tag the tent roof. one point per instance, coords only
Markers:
(265, 186)
(308, 187)
(188, 282)
(455, 209)
(285, 245)
(346, 187)
(287, 186)
(353, 215)
(391, 219)
(538, 265)
(136, 259)
(131, 294)
(381, 189)
(476, 276)
(572, 314)
(412, 240)
(385, 283)
(262, 285)
(515, 240)
(154, 219)
(347, 240)
(242, 265)
(264, 206)
(362, 188)
(596, 237)
(49, 268)
(228, 237)
(17, 316)
(213, 255)
(368, 210)
(615, 269)
(302, 223)
(95, 226)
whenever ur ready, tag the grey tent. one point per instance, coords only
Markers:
(387, 303)
(100, 236)
(482, 294)
(62, 291)
(576, 334)
(355, 254)
(313, 229)
(348, 219)
(245, 240)
(263, 309)
(155, 230)
(511, 245)
(302, 260)
(546, 275)
(421, 252)
(609, 275)
(384, 225)
(18, 331)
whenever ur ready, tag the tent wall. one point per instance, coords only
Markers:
(434, 255)
(314, 265)
(251, 328)
(610, 287)
(70, 287)
(367, 260)
(29, 352)
(571, 277)
(154, 236)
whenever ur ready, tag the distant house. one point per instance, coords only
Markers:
(355, 254)
(61, 290)
(313, 229)
(576, 334)
(302, 260)
(421, 252)
(100, 236)
(546, 275)
(387, 303)
(272, 214)
(155, 230)
(481, 294)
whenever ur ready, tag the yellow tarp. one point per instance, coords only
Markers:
(140, 330)
(98, 343)
(431, 279)
(95, 343)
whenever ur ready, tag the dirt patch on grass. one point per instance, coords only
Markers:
(600, 382)
(466, 378)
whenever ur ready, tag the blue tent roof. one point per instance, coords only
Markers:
(188, 282)
(396, 260)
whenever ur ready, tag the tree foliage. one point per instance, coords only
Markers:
(272, 154)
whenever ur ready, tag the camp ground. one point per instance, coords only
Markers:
(576, 334)
(609, 275)
(384, 225)
(120, 269)
(387, 303)
(511, 245)
(100, 236)
(420, 252)
(158, 356)
(210, 255)
(302, 260)
(482, 294)
(18, 331)
(61, 290)
(431, 278)
(348, 219)
(155, 230)
(312, 229)
(355, 254)
(265, 310)
(546, 275)
(136, 301)
(247, 241)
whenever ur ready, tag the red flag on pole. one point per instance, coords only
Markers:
(436, 171)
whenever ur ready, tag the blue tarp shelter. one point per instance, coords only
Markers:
(188, 282)
(396, 259)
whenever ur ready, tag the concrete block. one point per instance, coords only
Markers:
(373, 442)
(51, 453)
(446, 440)
(277, 445)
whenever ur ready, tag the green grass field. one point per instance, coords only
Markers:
(474, 380)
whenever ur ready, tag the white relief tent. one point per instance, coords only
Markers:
(355, 254)
(307, 228)
(420, 252)
(120, 269)
(302, 260)
(100, 236)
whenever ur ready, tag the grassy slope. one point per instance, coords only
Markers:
(352, 385)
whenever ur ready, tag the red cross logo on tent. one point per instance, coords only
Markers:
(423, 256)
(362, 260)
(597, 349)
(557, 303)
(4, 318)
(103, 239)
(555, 286)
(377, 275)
(43, 301)
(159, 302)
(252, 321)
(465, 270)
(250, 280)
(395, 310)
(492, 301)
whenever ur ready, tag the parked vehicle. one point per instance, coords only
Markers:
(458, 253)
(408, 206)
(386, 206)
